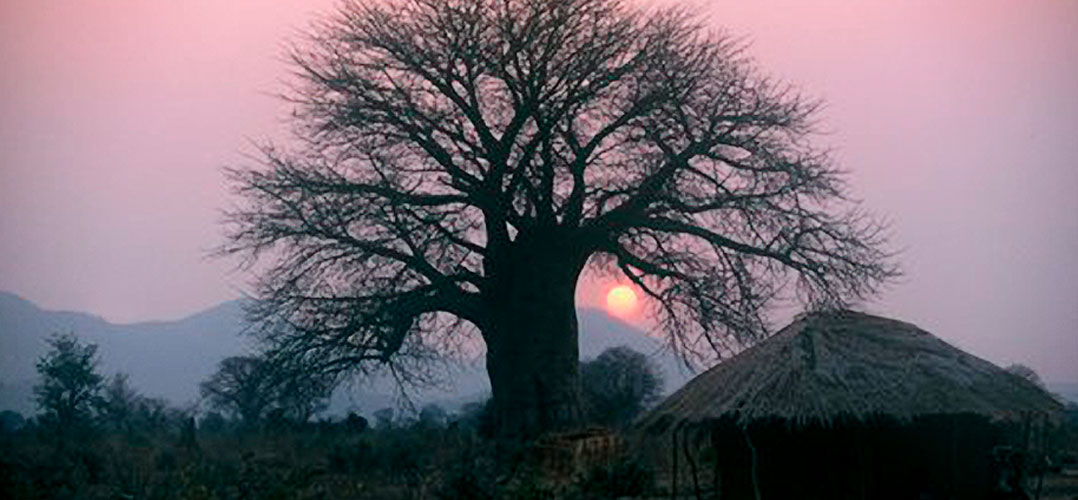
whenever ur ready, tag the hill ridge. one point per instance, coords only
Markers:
(168, 358)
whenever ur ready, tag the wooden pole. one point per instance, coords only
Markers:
(752, 465)
(692, 467)
(674, 450)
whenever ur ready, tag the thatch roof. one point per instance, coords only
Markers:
(838, 365)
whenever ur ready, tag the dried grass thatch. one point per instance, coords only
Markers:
(825, 367)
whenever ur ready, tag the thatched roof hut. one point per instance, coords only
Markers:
(848, 380)
(827, 366)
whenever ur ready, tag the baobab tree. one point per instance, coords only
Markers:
(460, 163)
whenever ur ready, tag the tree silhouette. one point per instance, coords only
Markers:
(118, 405)
(250, 388)
(433, 415)
(69, 382)
(619, 384)
(299, 396)
(242, 387)
(460, 163)
(384, 418)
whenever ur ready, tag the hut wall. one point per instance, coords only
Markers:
(932, 457)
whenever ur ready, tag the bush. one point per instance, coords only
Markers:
(356, 423)
(213, 422)
(625, 478)
(618, 385)
(11, 421)
(463, 483)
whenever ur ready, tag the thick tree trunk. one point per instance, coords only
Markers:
(532, 348)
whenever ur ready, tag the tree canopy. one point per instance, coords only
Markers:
(459, 163)
(69, 383)
(242, 386)
(619, 384)
(251, 388)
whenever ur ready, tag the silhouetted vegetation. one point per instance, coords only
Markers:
(252, 389)
(11, 421)
(68, 385)
(422, 457)
(133, 446)
(241, 387)
(618, 385)
(460, 164)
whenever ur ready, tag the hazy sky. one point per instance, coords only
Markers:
(959, 124)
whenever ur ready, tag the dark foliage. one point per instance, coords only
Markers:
(69, 383)
(625, 478)
(478, 416)
(433, 415)
(242, 387)
(384, 418)
(618, 385)
(356, 423)
(118, 405)
(213, 422)
(299, 396)
(251, 389)
(327, 460)
(11, 421)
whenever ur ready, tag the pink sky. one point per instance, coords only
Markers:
(956, 123)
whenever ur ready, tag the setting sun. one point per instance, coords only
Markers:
(621, 301)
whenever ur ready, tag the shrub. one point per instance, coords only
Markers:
(624, 478)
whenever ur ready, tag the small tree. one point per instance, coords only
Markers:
(241, 387)
(69, 382)
(356, 423)
(618, 385)
(433, 415)
(251, 388)
(213, 422)
(119, 404)
(301, 396)
(152, 413)
(384, 418)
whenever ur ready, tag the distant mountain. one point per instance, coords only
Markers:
(599, 332)
(169, 358)
(164, 358)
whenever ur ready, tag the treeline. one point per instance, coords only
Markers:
(258, 432)
(74, 398)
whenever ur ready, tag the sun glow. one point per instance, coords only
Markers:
(621, 301)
